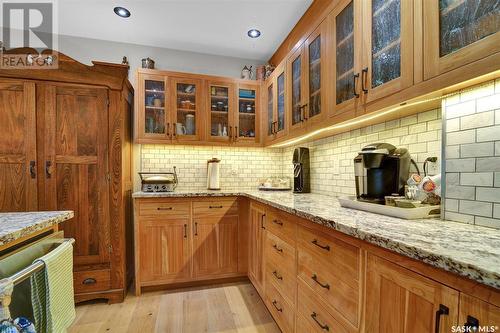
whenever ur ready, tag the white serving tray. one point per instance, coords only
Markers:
(403, 213)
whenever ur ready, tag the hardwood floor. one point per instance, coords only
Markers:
(233, 307)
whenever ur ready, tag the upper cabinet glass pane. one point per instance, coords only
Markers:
(386, 41)
(246, 114)
(186, 109)
(270, 115)
(154, 105)
(219, 111)
(315, 77)
(463, 22)
(296, 90)
(344, 27)
(281, 102)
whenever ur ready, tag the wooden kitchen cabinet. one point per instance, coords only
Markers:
(221, 111)
(256, 246)
(277, 106)
(18, 169)
(457, 33)
(215, 246)
(153, 111)
(165, 250)
(476, 313)
(187, 105)
(399, 300)
(247, 116)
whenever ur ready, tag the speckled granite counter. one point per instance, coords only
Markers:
(467, 250)
(17, 225)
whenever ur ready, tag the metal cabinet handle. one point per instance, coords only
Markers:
(262, 217)
(196, 228)
(324, 247)
(355, 78)
(212, 207)
(48, 169)
(89, 281)
(443, 310)
(278, 222)
(164, 208)
(279, 277)
(305, 113)
(472, 324)
(230, 132)
(278, 248)
(168, 130)
(364, 76)
(185, 230)
(324, 327)
(275, 304)
(235, 133)
(315, 279)
(33, 169)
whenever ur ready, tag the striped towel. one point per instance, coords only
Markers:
(52, 291)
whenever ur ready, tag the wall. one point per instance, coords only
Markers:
(472, 149)
(241, 168)
(332, 165)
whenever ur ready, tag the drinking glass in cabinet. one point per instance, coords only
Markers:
(246, 121)
(154, 107)
(315, 77)
(186, 109)
(386, 41)
(219, 109)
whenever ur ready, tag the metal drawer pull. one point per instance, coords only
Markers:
(442, 311)
(324, 247)
(164, 208)
(323, 326)
(33, 169)
(315, 279)
(278, 222)
(277, 248)
(472, 324)
(279, 277)
(88, 281)
(262, 221)
(215, 206)
(196, 228)
(185, 230)
(275, 302)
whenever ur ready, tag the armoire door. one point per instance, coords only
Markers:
(18, 176)
(75, 149)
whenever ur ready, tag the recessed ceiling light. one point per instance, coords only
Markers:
(253, 33)
(122, 12)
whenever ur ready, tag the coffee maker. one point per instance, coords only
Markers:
(381, 169)
(301, 183)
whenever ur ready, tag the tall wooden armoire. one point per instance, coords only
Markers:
(65, 144)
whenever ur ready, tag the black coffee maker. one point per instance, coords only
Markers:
(381, 169)
(301, 183)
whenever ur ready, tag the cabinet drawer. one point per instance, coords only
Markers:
(90, 281)
(344, 258)
(313, 314)
(164, 208)
(215, 208)
(325, 282)
(281, 225)
(280, 253)
(284, 281)
(282, 311)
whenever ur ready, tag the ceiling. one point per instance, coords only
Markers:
(206, 26)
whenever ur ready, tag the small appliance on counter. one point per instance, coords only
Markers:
(301, 170)
(213, 174)
(381, 170)
(275, 184)
(159, 181)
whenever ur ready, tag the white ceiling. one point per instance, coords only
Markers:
(207, 26)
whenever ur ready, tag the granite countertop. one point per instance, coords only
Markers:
(17, 225)
(467, 250)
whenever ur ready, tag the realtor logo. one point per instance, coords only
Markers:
(30, 25)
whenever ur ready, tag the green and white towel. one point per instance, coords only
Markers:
(52, 291)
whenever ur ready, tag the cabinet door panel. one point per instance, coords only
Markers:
(18, 174)
(298, 93)
(270, 109)
(399, 300)
(476, 313)
(256, 244)
(247, 115)
(164, 250)
(221, 111)
(187, 106)
(76, 163)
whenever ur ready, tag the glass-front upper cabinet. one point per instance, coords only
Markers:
(247, 120)
(297, 95)
(344, 25)
(458, 32)
(280, 109)
(220, 101)
(187, 109)
(276, 103)
(388, 66)
(153, 113)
